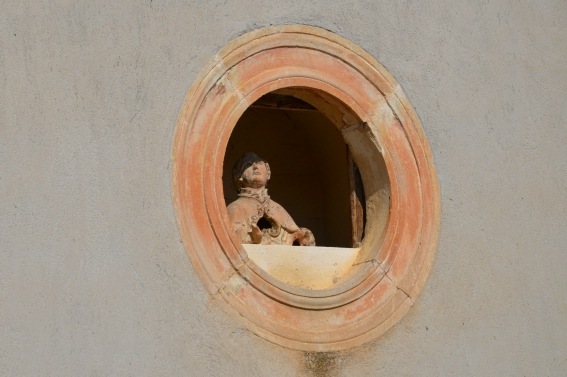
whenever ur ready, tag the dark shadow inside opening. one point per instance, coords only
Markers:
(312, 173)
(263, 223)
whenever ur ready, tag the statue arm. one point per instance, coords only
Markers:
(239, 224)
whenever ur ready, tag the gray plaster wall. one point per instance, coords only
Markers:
(94, 280)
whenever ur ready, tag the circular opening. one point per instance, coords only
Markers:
(315, 180)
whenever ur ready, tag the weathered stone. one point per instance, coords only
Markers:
(306, 267)
(251, 175)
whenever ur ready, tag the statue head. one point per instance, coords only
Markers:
(250, 171)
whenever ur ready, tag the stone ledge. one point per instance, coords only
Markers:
(310, 267)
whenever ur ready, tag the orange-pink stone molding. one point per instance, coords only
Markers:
(381, 128)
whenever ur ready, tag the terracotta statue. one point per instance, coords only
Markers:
(251, 174)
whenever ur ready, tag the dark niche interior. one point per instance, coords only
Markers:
(312, 174)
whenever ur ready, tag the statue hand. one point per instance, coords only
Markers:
(255, 234)
(305, 237)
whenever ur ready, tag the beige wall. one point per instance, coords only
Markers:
(93, 277)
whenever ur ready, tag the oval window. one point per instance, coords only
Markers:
(344, 158)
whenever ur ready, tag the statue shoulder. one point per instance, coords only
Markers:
(241, 204)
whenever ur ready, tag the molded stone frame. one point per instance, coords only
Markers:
(388, 145)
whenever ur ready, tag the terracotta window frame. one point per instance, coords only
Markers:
(389, 147)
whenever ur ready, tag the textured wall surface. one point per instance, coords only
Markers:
(94, 280)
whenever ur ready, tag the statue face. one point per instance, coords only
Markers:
(255, 175)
